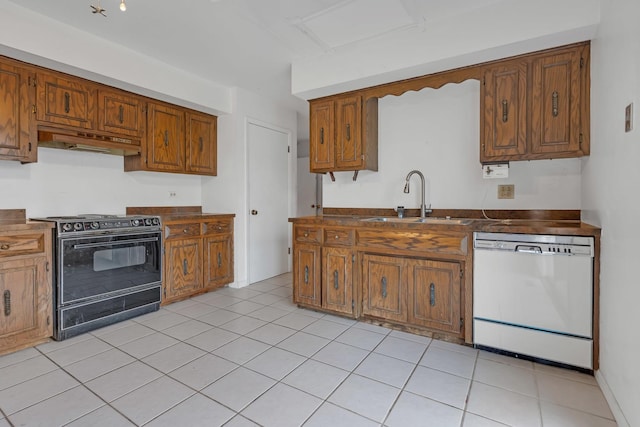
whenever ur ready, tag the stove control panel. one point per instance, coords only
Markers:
(80, 225)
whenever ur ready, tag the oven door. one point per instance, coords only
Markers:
(100, 266)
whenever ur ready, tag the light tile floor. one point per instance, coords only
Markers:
(247, 357)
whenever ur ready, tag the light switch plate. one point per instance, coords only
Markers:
(628, 118)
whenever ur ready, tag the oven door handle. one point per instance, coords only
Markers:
(120, 242)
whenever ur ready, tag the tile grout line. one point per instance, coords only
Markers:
(386, 417)
(85, 387)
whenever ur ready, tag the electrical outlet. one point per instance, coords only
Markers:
(628, 118)
(506, 191)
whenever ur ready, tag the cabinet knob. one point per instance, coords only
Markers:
(185, 231)
(306, 234)
(337, 237)
(5, 246)
(254, 212)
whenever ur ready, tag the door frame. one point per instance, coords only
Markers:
(291, 196)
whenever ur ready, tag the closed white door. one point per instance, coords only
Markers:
(268, 202)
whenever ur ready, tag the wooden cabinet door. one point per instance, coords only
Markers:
(201, 143)
(384, 287)
(434, 294)
(165, 138)
(183, 267)
(306, 275)
(121, 113)
(504, 105)
(218, 260)
(16, 100)
(349, 154)
(26, 302)
(322, 137)
(337, 280)
(555, 115)
(66, 101)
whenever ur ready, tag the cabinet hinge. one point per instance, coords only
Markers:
(353, 304)
(581, 62)
(461, 273)
(29, 147)
(353, 258)
(580, 139)
(165, 292)
(48, 320)
(34, 110)
(32, 81)
(461, 322)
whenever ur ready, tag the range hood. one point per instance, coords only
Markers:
(84, 141)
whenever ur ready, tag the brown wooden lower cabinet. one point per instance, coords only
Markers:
(337, 277)
(306, 261)
(387, 275)
(434, 294)
(198, 257)
(25, 288)
(384, 290)
(183, 268)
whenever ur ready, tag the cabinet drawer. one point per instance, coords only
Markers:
(338, 237)
(307, 234)
(24, 244)
(178, 231)
(218, 226)
(440, 242)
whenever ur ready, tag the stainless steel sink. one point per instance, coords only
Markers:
(448, 221)
(389, 219)
(428, 220)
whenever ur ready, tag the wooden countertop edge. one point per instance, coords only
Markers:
(568, 227)
(18, 225)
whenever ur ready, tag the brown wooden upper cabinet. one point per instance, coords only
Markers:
(16, 101)
(165, 140)
(201, 140)
(537, 106)
(121, 113)
(65, 100)
(344, 134)
(178, 140)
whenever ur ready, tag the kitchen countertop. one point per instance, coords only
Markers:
(16, 220)
(17, 225)
(530, 226)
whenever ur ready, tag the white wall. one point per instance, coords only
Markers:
(34, 38)
(437, 132)
(501, 29)
(229, 191)
(611, 179)
(65, 182)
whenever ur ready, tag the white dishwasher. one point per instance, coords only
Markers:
(533, 295)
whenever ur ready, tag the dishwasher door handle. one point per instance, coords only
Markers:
(529, 249)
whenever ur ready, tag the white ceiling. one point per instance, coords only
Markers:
(248, 43)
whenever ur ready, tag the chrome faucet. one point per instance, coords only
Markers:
(423, 208)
